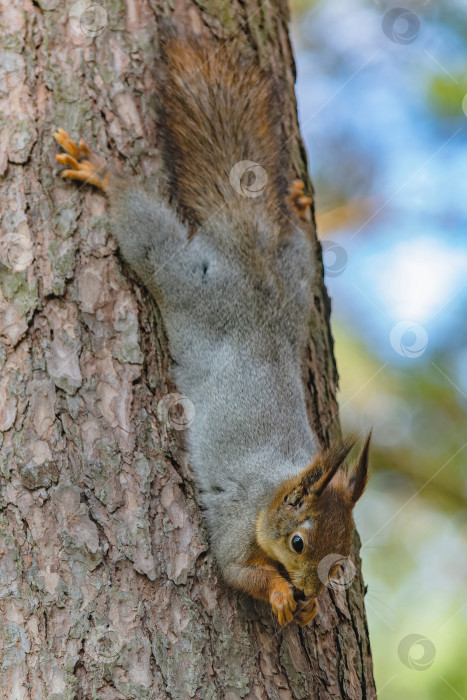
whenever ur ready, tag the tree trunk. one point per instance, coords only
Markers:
(107, 586)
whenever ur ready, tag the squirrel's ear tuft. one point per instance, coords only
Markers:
(313, 480)
(303, 485)
(331, 460)
(359, 477)
(296, 495)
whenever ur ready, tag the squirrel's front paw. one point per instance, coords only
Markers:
(283, 603)
(306, 611)
(90, 170)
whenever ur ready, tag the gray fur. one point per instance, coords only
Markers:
(236, 307)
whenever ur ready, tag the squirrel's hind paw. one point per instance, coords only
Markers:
(299, 201)
(91, 171)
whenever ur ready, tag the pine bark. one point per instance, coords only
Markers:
(108, 589)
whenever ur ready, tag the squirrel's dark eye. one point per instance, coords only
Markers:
(297, 544)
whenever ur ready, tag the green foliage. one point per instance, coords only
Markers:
(447, 94)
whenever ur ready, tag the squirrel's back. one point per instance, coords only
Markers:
(221, 133)
(239, 333)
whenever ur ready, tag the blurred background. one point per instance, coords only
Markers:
(382, 95)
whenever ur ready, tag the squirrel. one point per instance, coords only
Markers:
(231, 267)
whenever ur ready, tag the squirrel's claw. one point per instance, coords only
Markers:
(67, 144)
(283, 604)
(91, 171)
(66, 159)
(306, 611)
(84, 149)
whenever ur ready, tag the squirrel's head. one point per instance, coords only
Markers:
(310, 517)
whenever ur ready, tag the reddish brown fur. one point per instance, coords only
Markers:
(323, 495)
(247, 105)
(277, 574)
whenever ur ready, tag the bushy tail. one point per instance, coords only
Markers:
(221, 130)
